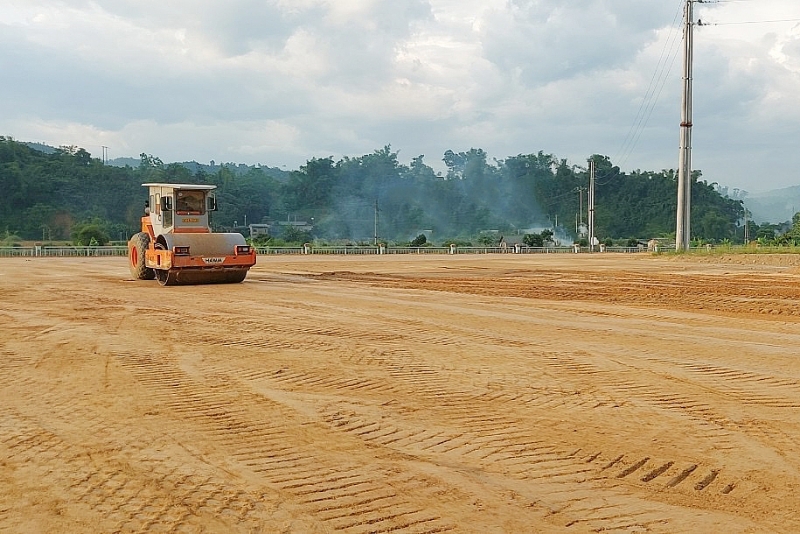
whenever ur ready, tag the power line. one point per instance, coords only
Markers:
(654, 89)
(701, 23)
(666, 62)
(654, 101)
(727, 1)
(640, 113)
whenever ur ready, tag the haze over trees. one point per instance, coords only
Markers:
(55, 196)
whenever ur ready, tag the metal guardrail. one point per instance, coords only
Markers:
(63, 252)
(373, 250)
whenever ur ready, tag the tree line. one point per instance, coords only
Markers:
(69, 195)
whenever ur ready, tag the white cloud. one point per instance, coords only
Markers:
(279, 81)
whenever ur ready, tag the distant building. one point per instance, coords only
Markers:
(278, 228)
(259, 229)
(304, 226)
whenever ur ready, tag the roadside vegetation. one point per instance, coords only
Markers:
(68, 196)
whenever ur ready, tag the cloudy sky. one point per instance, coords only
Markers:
(277, 82)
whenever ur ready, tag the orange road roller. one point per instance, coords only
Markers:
(177, 246)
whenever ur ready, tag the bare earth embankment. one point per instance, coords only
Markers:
(420, 394)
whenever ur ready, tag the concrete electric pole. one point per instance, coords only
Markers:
(683, 228)
(579, 215)
(591, 205)
(376, 221)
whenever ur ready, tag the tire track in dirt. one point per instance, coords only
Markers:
(109, 469)
(309, 381)
(508, 454)
(498, 444)
(749, 387)
(343, 494)
(363, 410)
(701, 415)
(775, 296)
(12, 370)
(123, 496)
(507, 448)
(708, 422)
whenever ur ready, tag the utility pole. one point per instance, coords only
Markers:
(746, 229)
(591, 205)
(579, 221)
(105, 155)
(683, 227)
(376, 222)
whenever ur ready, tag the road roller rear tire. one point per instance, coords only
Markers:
(137, 248)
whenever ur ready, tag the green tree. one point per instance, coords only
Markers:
(43, 193)
(311, 186)
(533, 240)
(791, 235)
(419, 241)
(292, 234)
(9, 238)
(538, 240)
(90, 233)
(795, 230)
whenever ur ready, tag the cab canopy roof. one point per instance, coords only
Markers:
(182, 186)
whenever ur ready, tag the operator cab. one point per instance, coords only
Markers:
(180, 208)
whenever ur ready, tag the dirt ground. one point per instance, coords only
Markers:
(408, 394)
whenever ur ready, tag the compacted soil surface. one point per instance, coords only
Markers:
(407, 394)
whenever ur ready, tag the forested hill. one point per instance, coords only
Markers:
(47, 196)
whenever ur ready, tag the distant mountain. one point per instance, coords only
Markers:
(775, 206)
(124, 162)
(41, 147)
(237, 168)
(193, 167)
